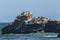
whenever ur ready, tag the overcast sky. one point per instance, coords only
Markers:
(9, 9)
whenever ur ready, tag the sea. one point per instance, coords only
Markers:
(22, 36)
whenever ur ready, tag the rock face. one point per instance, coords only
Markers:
(17, 25)
(24, 23)
(52, 26)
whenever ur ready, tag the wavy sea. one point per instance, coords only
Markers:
(23, 36)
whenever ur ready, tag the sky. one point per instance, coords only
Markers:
(9, 9)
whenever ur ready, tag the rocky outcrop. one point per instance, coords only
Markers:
(24, 23)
